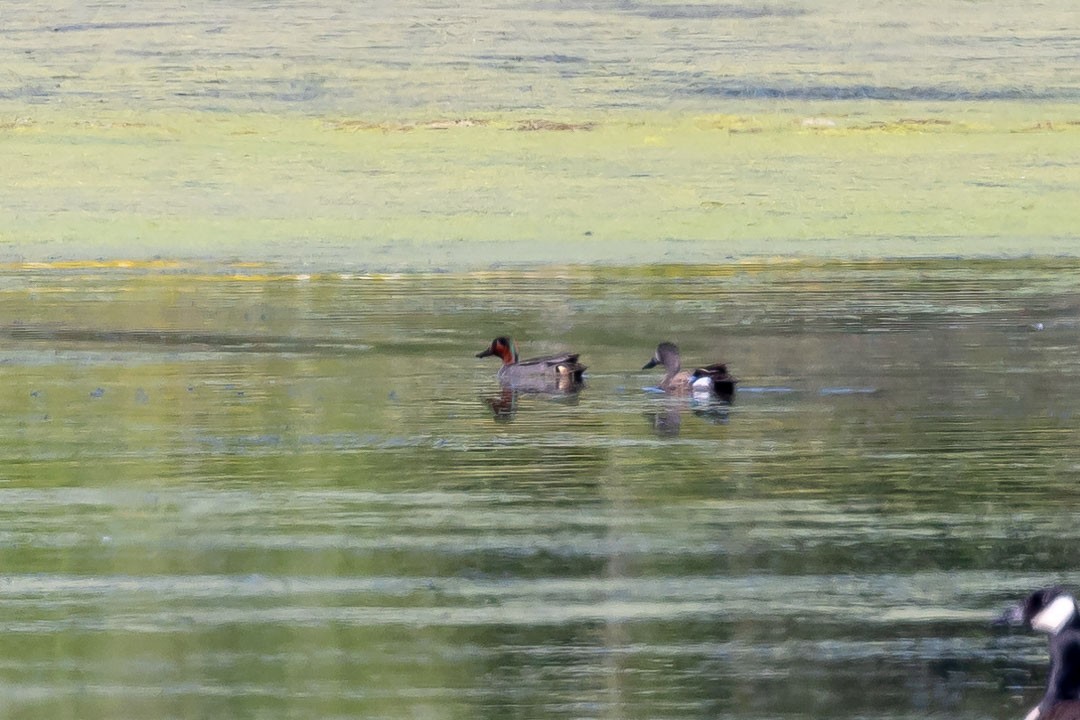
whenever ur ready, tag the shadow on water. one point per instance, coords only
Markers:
(334, 525)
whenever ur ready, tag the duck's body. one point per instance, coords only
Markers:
(1054, 611)
(712, 379)
(1067, 710)
(551, 372)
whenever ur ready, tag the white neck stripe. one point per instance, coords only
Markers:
(1055, 615)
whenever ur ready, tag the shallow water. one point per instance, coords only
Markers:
(247, 493)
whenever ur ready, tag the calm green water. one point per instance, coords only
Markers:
(235, 493)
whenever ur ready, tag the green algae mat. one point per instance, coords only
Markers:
(412, 136)
(459, 192)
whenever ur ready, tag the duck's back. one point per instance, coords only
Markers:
(565, 365)
(551, 360)
(723, 383)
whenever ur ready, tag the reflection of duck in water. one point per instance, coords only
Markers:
(710, 379)
(552, 373)
(1054, 611)
(666, 421)
(504, 405)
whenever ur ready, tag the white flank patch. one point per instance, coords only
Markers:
(1055, 615)
(702, 384)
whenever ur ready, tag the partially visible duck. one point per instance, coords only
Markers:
(548, 373)
(1054, 611)
(1067, 710)
(708, 379)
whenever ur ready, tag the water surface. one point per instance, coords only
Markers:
(387, 58)
(423, 135)
(237, 491)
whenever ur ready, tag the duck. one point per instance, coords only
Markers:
(551, 373)
(1053, 610)
(708, 379)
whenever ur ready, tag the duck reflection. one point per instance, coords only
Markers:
(666, 422)
(667, 418)
(504, 405)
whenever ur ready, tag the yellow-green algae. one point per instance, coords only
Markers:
(410, 134)
(804, 179)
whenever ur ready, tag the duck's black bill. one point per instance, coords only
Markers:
(651, 364)
(484, 353)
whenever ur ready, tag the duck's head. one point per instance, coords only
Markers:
(1049, 610)
(504, 348)
(667, 354)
